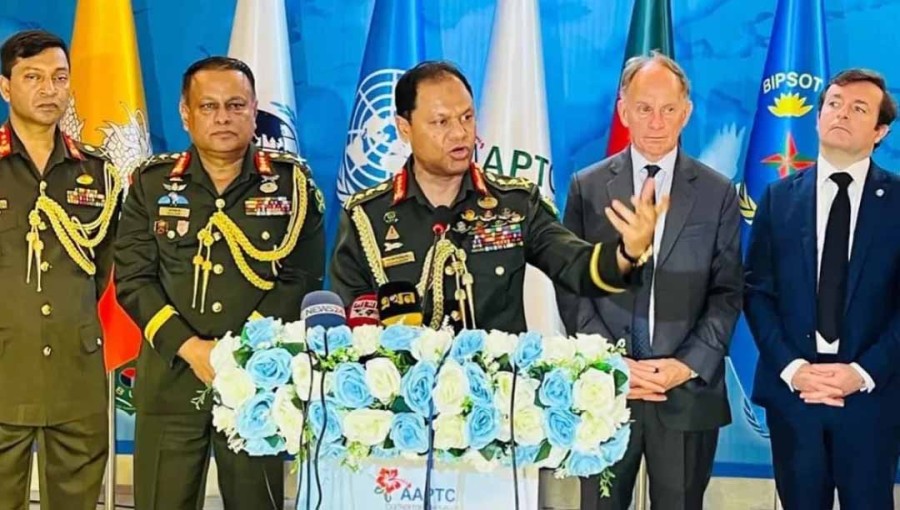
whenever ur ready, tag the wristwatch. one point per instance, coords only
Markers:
(640, 260)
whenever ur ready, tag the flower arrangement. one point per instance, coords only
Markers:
(380, 393)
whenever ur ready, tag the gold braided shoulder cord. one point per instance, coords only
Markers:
(422, 286)
(369, 244)
(443, 251)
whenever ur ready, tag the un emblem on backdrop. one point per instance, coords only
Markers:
(374, 148)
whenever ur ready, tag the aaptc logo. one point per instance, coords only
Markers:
(374, 148)
(389, 484)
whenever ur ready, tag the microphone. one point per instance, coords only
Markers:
(442, 218)
(398, 303)
(323, 308)
(363, 311)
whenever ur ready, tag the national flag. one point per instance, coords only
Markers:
(374, 149)
(783, 140)
(259, 37)
(107, 110)
(650, 29)
(514, 134)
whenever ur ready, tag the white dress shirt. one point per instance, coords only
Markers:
(663, 187)
(826, 190)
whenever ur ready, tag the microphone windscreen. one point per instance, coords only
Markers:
(363, 310)
(323, 308)
(398, 303)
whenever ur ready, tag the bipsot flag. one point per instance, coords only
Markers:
(259, 37)
(107, 110)
(374, 149)
(650, 29)
(783, 140)
(514, 134)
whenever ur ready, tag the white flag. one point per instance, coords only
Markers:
(513, 129)
(259, 37)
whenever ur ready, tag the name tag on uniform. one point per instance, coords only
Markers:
(267, 206)
(398, 259)
(175, 212)
(85, 196)
(495, 237)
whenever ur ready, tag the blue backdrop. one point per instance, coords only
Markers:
(721, 44)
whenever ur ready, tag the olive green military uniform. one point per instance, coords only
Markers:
(499, 225)
(178, 276)
(55, 257)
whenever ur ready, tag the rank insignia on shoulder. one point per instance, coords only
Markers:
(398, 259)
(85, 196)
(320, 201)
(267, 206)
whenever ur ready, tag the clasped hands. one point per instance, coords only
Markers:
(827, 383)
(651, 379)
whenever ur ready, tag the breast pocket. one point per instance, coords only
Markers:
(497, 275)
(9, 235)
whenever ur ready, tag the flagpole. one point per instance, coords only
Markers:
(109, 501)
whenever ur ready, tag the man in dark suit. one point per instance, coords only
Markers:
(823, 303)
(678, 324)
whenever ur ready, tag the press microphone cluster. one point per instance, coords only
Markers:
(399, 303)
(363, 311)
(323, 308)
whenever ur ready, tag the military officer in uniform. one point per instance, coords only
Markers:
(462, 235)
(58, 206)
(208, 238)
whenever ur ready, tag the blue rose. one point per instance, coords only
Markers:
(254, 419)
(585, 464)
(350, 388)
(467, 344)
(528, 351)
(338, 338)
(561, 425)
(260, 333)
(479, 386)
(482, 426)
(315, 340)
(525, 455)
(617, 362)
(556, 390)
(417, 385)
(613, 450)
(380, 453)
(317, 418)
(260, 447)
(399, 337)
(409, 434)
(330, 451)
(270, 368)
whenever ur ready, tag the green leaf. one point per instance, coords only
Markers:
(242, 355)
(388, 443)
(620, 378)
(544, 451)
(457, 452)
(490, 452)
(294, 348)
(272, 440)
(602, 366)
(399, 406)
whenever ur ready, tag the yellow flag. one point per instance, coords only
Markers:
(107, 108)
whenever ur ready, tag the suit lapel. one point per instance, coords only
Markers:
(682, 197)
(871, 208)
(621, 186)
(803, 217)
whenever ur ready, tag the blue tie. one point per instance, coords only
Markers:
(640, 320)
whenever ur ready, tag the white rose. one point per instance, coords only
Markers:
(592, 347)
(288, 417)
(621, 413)
(594, 392)
(558, 349)
(475, 459)
(592, 431)
(300, 375)
(294, 332)
(431, 345)
(222, 355)
(554, 459)
(383, 378)
(366, 339)
(529, 426)
(450, 432)
(234, 387)
(224, 419)
(451, 389)
(498, 343)
(369, 427)
(525, 390)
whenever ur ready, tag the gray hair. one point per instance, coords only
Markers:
(635, 64)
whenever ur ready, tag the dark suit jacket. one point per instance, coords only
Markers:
(698, 279)
(781, 281)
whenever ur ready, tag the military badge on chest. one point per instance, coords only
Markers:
(83, 194)
(489, 230)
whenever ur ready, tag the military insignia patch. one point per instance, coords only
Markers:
(172, 198)
(499, 236)
(85, 196)
(267, 206)
(182, 227)
(392, 234)
(161, 227)
(4, 204)
(269, 185)
(176, 212)
(85, 180)
(320, 201)
(398, 259)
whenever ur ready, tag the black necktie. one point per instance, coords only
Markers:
(640, 320)
(833, 273)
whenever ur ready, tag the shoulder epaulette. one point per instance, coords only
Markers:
(367, 194)
(288, 157)
(508, 183)
(159, 159)
(91, 150)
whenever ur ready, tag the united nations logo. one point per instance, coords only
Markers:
(374, 148)
(275, 128)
